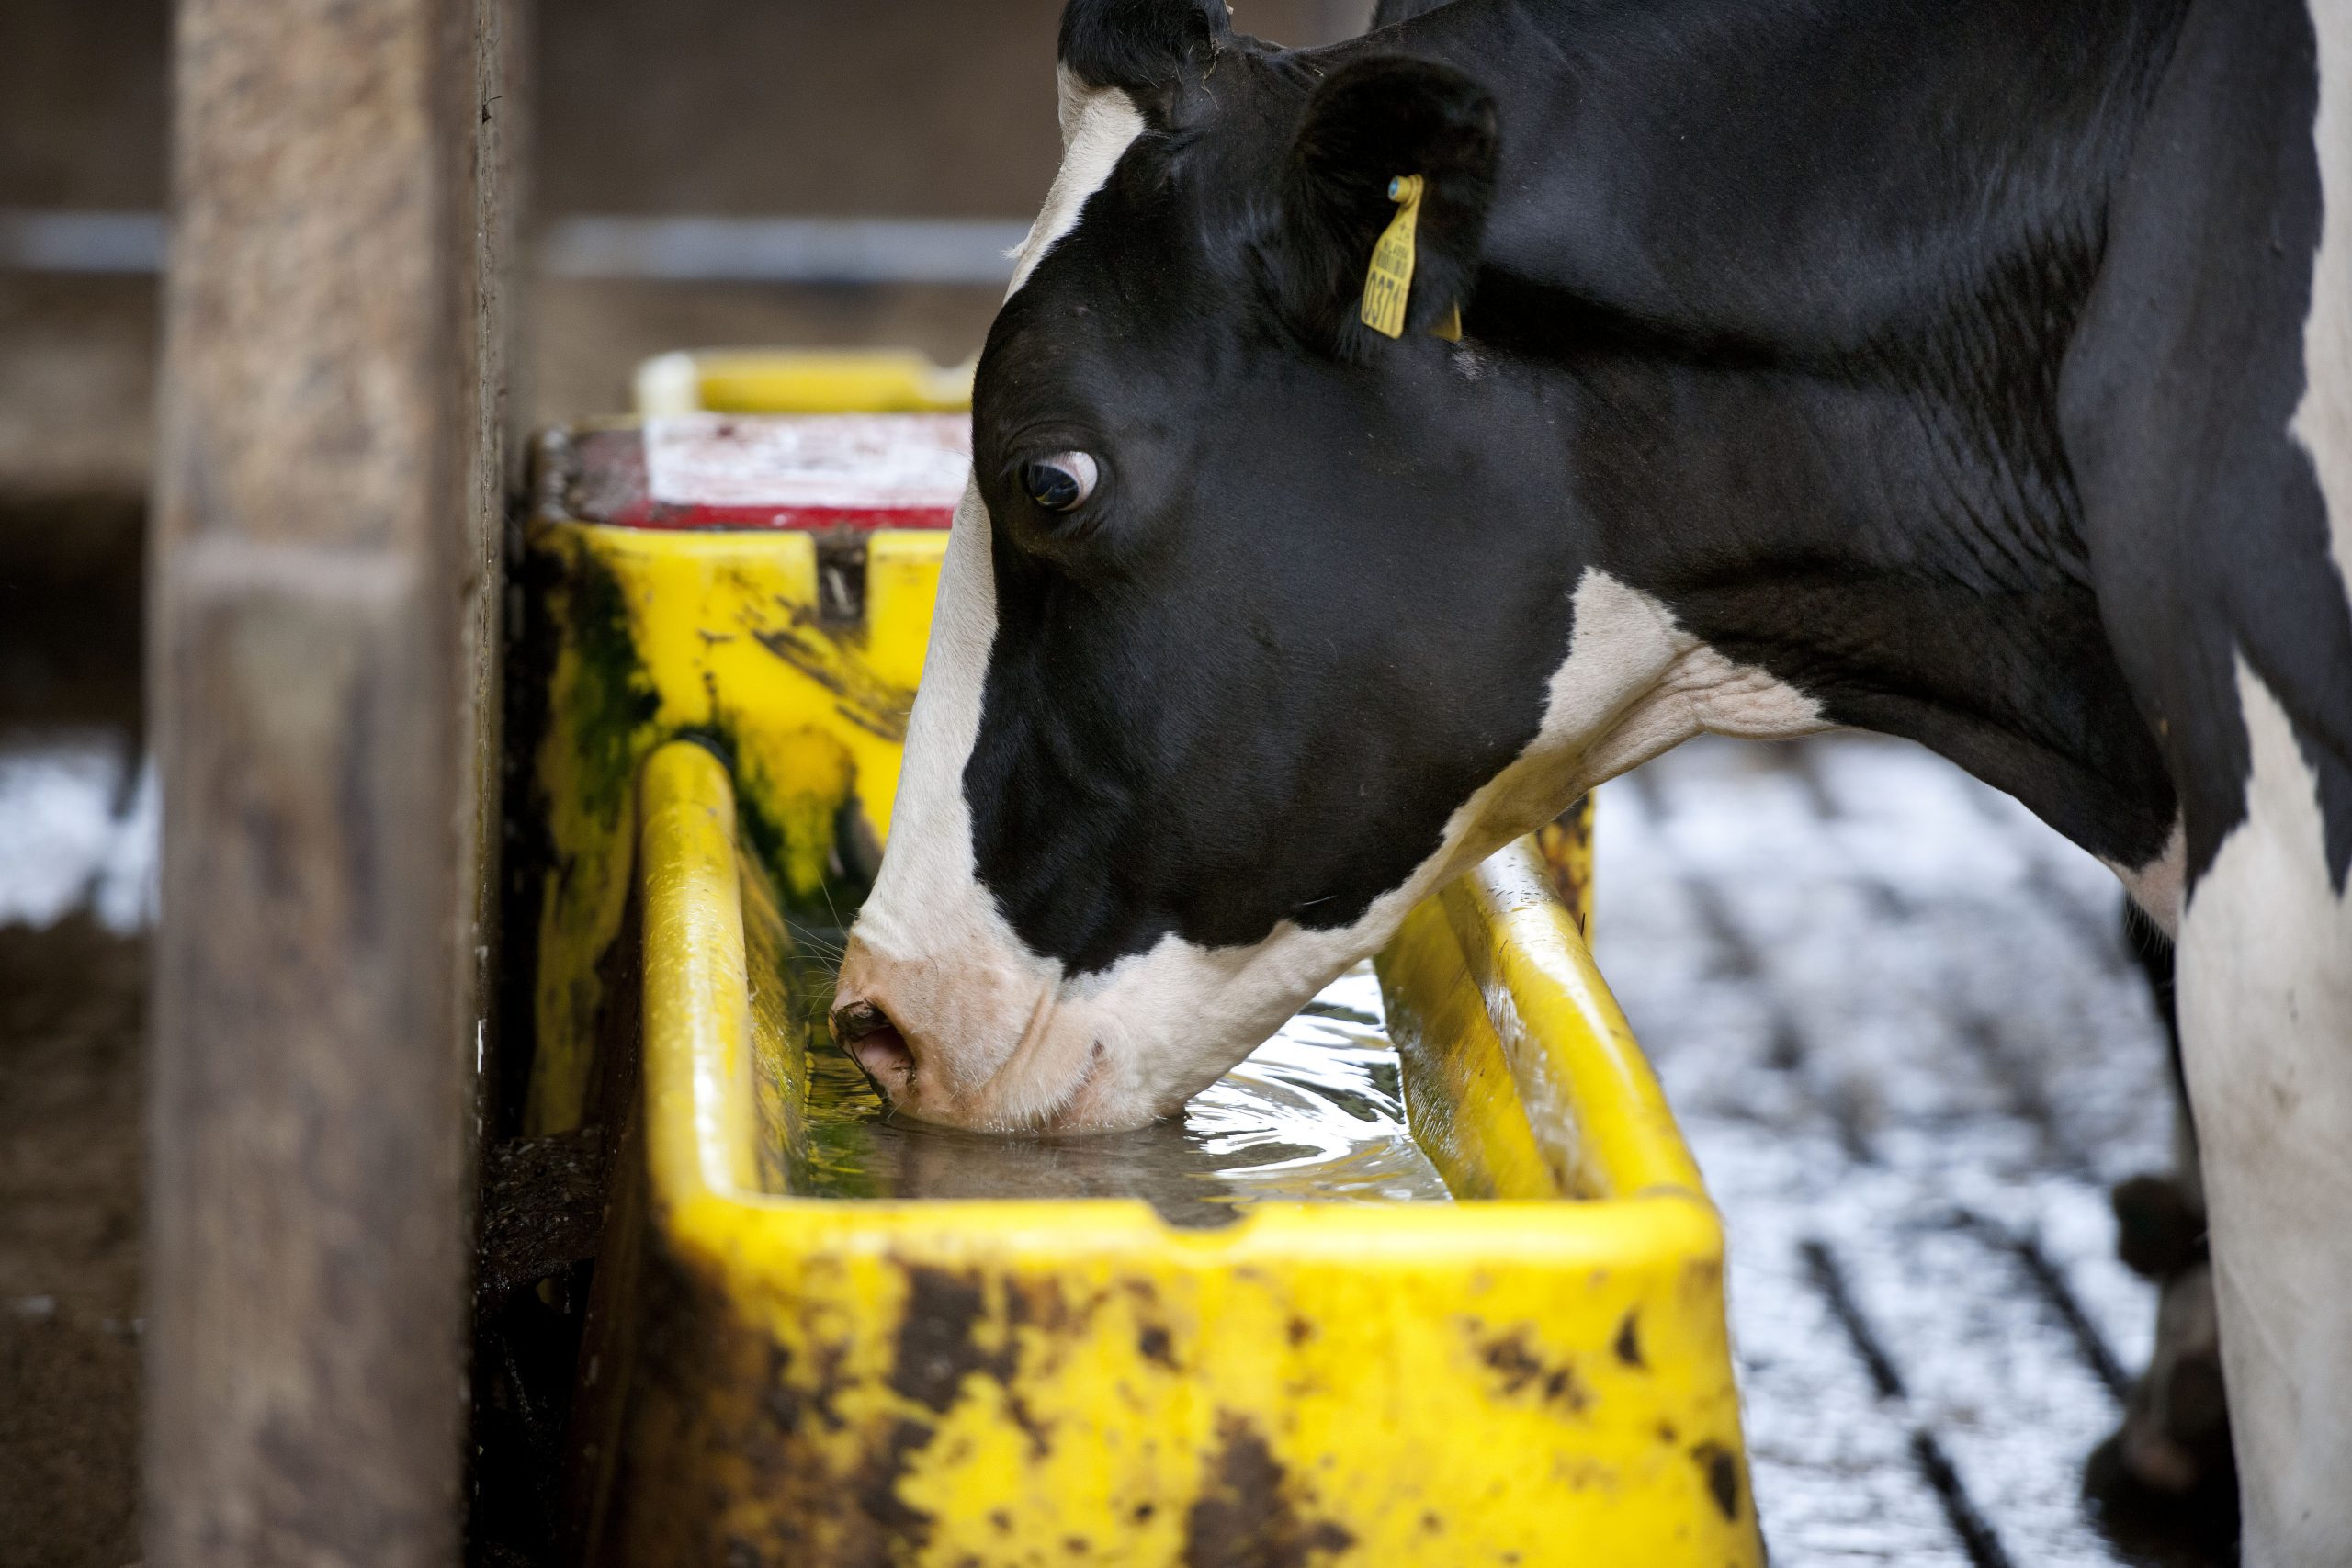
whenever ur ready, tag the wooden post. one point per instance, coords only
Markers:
(326, 584)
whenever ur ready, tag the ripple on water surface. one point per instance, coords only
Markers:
(1315, 1115)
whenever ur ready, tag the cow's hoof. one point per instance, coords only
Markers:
(2152, 1525)
(2159, 1229)
(2168, 1469)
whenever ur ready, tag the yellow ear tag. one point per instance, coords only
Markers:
(1390, 283)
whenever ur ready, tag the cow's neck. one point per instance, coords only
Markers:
(1803, 313)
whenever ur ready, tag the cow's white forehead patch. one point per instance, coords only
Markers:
(1099, 124)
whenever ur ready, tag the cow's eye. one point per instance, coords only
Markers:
(1061, 482)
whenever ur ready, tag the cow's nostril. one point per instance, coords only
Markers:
(852, 1021)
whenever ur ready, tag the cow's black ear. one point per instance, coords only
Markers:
(1366, 124)
(1149, 48)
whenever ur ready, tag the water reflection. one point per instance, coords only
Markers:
(1316, 1114)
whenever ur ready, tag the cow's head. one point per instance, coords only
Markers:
(1228, 668)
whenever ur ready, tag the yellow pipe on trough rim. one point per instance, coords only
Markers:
(808, 380)
(1539, 1379)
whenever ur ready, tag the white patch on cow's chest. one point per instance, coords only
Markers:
(1634, 685)
(2156, 887)
(1099, 124)
(2265, 1014)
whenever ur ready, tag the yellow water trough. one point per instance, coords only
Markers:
(1537, 1373)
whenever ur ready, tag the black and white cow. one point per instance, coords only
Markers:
(1978, 371)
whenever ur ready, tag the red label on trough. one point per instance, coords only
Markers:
(805, 471)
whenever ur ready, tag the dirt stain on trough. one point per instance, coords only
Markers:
(907, 1527)
(1247, 1516)
(1723, 1477)
(819, 653)
(1628, 1345)
(1515, 1363)
(1039, 1431)
(937, 1345)
(791, 1407)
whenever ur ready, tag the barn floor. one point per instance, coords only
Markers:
(1898, 1019)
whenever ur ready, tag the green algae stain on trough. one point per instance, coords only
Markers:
(612, 699)
(640, 636)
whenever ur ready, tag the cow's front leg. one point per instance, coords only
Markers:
(2169, 1466)
(2266, 1009)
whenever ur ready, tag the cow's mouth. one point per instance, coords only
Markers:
(869, 1038)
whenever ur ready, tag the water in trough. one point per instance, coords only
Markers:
(1316, 1114)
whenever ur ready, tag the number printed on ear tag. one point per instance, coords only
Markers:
(1390, 283)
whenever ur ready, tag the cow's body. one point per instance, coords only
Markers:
(1976, 371)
